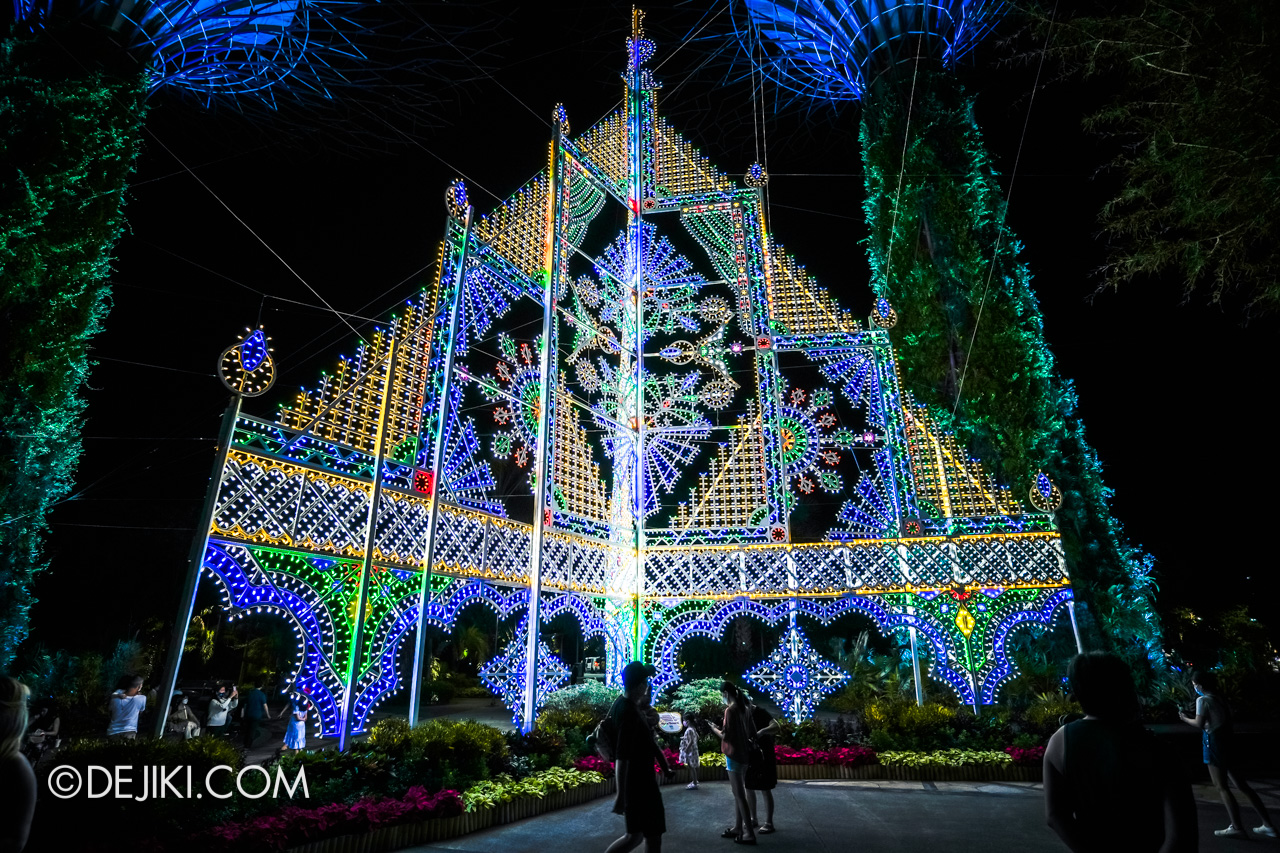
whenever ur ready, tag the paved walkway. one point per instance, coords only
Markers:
(831, 815)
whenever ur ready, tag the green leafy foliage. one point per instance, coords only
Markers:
(442, 753)
(592, 696)
(1192, 104)
(947, 758)
(68, 139)
(700, 697)
(504, 788)
(970, 339)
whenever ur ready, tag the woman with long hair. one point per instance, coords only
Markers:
(16, 777)
(735, 743)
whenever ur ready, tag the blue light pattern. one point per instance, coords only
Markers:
(796, 677)
(834, 49)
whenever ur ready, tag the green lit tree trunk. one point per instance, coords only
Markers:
(68, 139)
(942, 256)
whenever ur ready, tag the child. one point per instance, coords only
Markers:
(689, 751)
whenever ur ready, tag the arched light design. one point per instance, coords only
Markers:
(834, 50)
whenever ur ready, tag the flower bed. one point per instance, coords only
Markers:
(843, 756)
(295, 826)
(503, 800)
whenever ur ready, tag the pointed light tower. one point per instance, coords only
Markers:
(944, 262)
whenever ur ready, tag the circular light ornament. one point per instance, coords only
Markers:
(756, 176)
(1045, 496)
(455, 199)
(247, 368)
(883, 315)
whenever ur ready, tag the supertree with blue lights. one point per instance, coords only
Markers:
(75, 78)
(947, 267)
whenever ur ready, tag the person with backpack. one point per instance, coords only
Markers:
(762, 775)
(634, 752)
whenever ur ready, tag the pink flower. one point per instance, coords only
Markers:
(1026, 757)
(594, 763)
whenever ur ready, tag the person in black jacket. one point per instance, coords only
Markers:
(634, 756)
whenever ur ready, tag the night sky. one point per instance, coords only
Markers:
(1172, 394)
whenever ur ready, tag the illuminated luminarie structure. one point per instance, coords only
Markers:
(691, 395)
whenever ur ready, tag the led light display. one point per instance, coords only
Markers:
(677, 450)
(796, 677)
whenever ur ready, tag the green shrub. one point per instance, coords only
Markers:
(486, 795)
(1044, 713)
(540, 749)
(441, 753)
(946, 758)
(466, 745)
(439, 690)
(901, 724)
(592, 696)
(390, 735)
(571, 726)
(476, 691)
(700, 698)
(811, 734)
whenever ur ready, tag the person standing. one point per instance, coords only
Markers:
(124, 706)
(634, 755)
(689, 751)
(17, 779)
(182, 722)
(762, 776)
(295, 733)
(735, 743)
(220, 708)
(1213, 718)
(1108, 785)
(255, 711)
(43, 734)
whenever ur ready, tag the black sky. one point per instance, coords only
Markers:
(1173, 395)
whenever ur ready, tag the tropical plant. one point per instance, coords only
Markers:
(700, 698)
(592, 696)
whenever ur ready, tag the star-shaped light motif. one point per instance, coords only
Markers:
(505, 674)
(796, 677)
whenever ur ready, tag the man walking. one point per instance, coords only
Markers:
(255, 710)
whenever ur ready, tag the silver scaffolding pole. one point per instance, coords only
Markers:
(541, 488)
(437, 460)
(199, 545)
(356, 655)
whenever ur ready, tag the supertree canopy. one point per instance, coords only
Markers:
(946, 266)
(219, 47)
(834, 50)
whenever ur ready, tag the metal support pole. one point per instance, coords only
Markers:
(1075, 627)
(915, 666)
(542, 449)
(195, 559)
(355, 656)
(636, 192)
(420, 652)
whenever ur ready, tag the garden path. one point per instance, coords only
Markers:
(835, 815)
